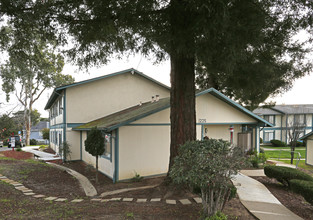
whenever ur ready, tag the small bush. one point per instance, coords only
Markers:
(256, 159)
(298, 144)
(278, 143)
(261, 140)
(304, 188)
(33, 142)
(262, 150)
(218, 216)
(18, 149)
(285, 174)
(136, 178)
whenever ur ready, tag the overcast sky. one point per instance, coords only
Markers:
(301, 93)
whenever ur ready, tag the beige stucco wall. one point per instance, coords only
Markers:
(73, 138)
(222, 132)
(97, 99)
(143, 149)
(105, 164)
(309, 149)
(214, 110)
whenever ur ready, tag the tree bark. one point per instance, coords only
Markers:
(97, 169)
(183, 114)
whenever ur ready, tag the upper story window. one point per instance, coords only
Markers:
(57, 108)
(299, 119)
(270, 118)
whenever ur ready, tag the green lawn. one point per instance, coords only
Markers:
(283, 154)
(301, 164)
(280, 148)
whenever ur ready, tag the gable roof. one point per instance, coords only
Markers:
(126, 116)
(56, 92)
(306, 136)
(285, 109)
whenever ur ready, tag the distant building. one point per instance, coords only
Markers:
(36, 134)
(283, 117)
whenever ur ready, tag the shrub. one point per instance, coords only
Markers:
(298, 143)
(94, 144)
(261, 140)
(218, 216)
(65, 151)
(33, 142)
(262, 150)
(256, 159)
(18, 149)
(136, 178)
(278, 143)
(209, 166)
(304, 188)
(285, 174)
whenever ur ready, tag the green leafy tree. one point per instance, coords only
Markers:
(34, 117)
(7, 127)
(210, 33)
(94, 144)
(213, 34)
(45, 133)
(209, 166)
(35, 66)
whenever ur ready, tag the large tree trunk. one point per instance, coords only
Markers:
(183, 114)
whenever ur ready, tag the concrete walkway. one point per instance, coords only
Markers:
(89, 189)
(40, 154)
(259, 200)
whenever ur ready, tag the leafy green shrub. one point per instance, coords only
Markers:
(285, 174)
(136, 178)
(261, 140)
(18, 149)
(278, 143)
(298, 143)
(218, 216)
(256, 159)
(33, 142)
(209, 166)
(304, 188)
(262, 150)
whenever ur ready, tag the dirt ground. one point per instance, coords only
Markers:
(44, 179)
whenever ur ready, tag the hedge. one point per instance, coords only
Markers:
(285, 174)
(278, 143)
(304, 188)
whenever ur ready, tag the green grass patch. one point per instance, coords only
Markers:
(301, 164)
(4, 200)
(280, 148)
(37, 162)
(6, 158)
(284, 154)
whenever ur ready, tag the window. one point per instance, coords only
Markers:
(107, 145)
(268, 136)
(299, 119)
(270, 118)
(61, 106)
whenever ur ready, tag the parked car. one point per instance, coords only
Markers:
(19, 142)
(1, 143)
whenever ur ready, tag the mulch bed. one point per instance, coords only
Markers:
(294, 202)
(19, 155)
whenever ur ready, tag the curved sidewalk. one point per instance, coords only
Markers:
(259, 200)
